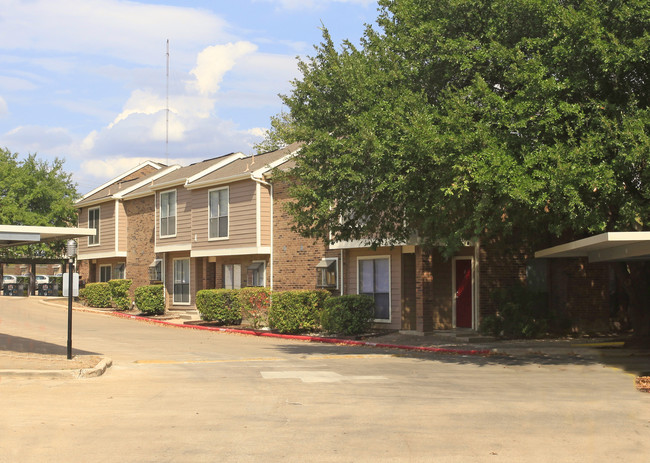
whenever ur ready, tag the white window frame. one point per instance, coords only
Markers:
(160, 214)
(189, 281)
(110, 272)
(94, 240)
(336, 273)
(216, 238)
(390, 284)
(154, 264)
(263, 262)
(116, 266)
(234, 270)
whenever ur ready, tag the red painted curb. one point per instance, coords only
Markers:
(295, 337)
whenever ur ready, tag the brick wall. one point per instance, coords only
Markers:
(294, 257)
(580, 291)
(498, 269)
(140, 240)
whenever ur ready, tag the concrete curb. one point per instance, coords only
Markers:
(94, 372)
(346, 342)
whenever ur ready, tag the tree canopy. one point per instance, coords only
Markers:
(463, 119)
(35, 192)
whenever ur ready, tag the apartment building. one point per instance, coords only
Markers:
(220, 223)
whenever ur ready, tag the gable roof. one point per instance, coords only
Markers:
(254, 166)
(117, 188)
(103, 190)
(182, 175)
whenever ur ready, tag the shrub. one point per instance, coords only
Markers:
(297, 311)
(150, 299)
(255, 303)
(220, 305)
(349, 315)
(120, 293)
(522, 313)
(96, 295)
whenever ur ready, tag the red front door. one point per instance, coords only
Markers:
(463, 293)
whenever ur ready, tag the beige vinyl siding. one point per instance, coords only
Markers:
(106, 228)
(83, 223)
(351, 279)
(241, 217)
(122, 231)
(265, 215)
(183, 218)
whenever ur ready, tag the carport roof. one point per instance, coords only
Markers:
(606, 247)
(19, 235)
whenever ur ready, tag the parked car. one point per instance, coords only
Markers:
(42, 279)
(9, 279)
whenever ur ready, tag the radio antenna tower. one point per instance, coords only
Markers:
(167, 111)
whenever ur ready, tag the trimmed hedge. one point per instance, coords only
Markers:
(219, 305)
(297, 311)
(96, 295)
(120, 293)
(255, 304)
(349, 315)
(150, 299)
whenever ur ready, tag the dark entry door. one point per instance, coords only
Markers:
(463, 293)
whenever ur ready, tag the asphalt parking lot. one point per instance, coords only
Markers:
(183, 395)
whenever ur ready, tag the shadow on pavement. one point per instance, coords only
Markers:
(22, 345)
(633, 361)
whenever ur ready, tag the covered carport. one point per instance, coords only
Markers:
(606, 247)
(21, 235)
(629, 252)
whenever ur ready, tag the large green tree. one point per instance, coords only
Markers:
(35, 192)
(517, 120)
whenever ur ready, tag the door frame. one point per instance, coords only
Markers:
(189, 278)
(473, 285)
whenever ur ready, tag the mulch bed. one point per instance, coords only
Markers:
(642, 383)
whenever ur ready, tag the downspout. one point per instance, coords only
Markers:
(477, 286)
(342, 276)
(262, 182)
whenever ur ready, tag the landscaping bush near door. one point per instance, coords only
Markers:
(96, 295)
(297, 311)
(255, 303)
(219, 305)
(150, 299)
(349, 315)
(120, 293)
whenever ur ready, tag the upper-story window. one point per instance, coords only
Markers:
(168, 213)
(218, 213)
(93, 222)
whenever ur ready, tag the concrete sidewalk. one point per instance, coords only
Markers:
(607, 350)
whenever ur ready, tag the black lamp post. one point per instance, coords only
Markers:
(71, 251)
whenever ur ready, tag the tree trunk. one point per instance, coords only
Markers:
(635, 277)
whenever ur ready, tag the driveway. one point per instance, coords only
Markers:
(191, 396)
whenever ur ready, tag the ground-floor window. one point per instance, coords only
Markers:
(181, 281)
(118, 271)
(104, 273)
(232, 276)
(374, 280)
(256, 273)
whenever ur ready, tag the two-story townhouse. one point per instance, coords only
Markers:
(221, 223)
(107, 255)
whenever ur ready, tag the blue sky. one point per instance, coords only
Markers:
(85, 80)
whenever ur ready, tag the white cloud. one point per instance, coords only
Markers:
(33, 138)
(126, 30)
(4, 109)
(215, 61)
(311, 4)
